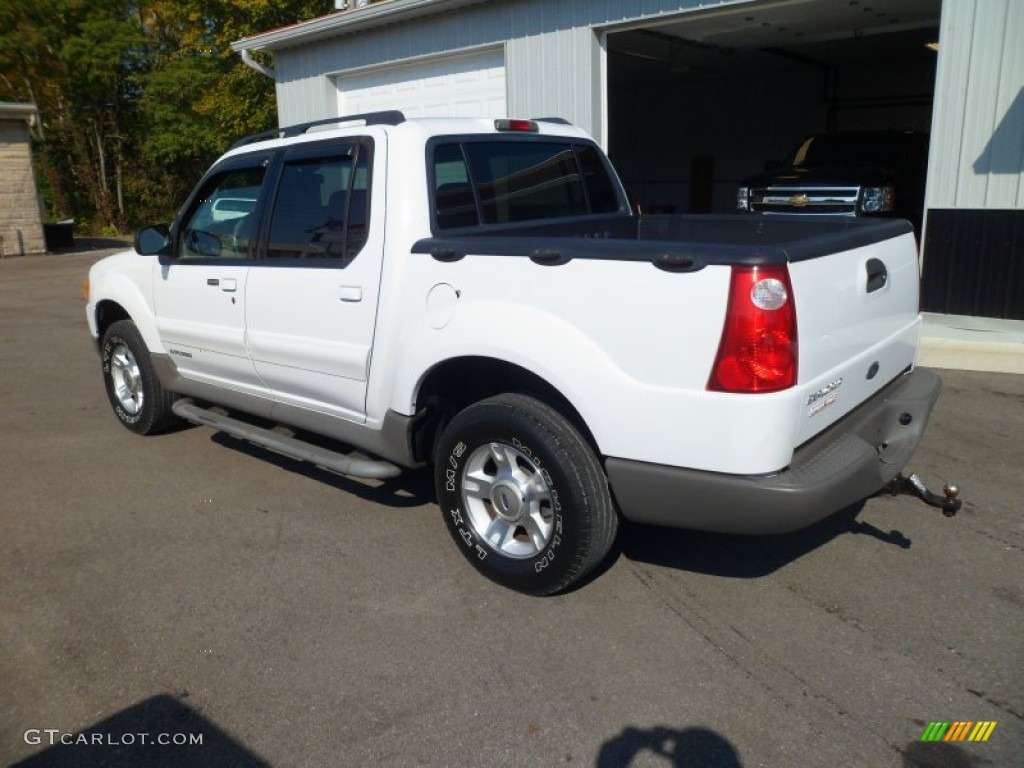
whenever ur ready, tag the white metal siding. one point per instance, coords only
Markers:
(546, 74)
(471, 85)
(557, 74)
(977, 149)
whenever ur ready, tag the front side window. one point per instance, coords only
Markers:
(503, 182)
(321, 206)
(220, 224)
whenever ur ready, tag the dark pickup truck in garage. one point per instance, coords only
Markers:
(853, 173)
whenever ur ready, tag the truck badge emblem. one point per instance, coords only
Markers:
(824, 391)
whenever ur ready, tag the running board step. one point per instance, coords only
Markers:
(285, 444)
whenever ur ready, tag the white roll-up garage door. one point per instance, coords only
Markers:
(467, 85)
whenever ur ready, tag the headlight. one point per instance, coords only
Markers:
(876, 199)
(743, 198)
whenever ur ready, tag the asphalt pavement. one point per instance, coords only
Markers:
(189, 588)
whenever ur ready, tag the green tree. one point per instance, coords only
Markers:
(198, 96)
(99, 65)
(73, 60)
(136, 98)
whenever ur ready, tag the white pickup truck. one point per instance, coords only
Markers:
(477, 295)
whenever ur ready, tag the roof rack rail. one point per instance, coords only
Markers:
(387, 117)
(555, 120)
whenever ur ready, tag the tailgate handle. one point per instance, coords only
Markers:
(878, 275)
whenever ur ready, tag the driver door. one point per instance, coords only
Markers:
(200, 293)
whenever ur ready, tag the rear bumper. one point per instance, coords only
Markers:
(850, 461)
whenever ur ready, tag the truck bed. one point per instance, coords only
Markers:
(855, 285)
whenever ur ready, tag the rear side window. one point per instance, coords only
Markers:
(454, 203)
(596, 181)
(321, 206)
(503, 182)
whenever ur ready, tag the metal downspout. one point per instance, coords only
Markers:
(251, 63)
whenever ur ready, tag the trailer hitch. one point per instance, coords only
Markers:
(911, 485)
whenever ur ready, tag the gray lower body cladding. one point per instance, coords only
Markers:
(850, 461)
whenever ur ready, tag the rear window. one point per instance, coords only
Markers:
(503, 182)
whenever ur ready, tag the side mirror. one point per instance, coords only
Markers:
(153, 241)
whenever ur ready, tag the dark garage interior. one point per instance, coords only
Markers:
(696, 105)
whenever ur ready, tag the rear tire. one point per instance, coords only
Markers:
(135, 393)
(523, 494)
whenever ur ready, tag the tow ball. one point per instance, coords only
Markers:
(911, 485)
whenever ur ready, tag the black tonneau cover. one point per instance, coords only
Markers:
(672, 242)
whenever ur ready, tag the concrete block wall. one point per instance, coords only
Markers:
(21, 226)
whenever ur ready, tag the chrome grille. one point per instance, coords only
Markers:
(816, 200)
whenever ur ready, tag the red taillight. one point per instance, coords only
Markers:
(758, 351)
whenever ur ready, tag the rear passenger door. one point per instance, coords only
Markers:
(312, 297)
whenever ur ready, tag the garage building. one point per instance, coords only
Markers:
(689, 97)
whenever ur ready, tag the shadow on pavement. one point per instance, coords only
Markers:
(922, 754)
(686, 748)
(746, 557)
(119, 741)
(712, 553)
(412, 488)
(85, 244)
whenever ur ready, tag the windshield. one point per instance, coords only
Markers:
(852, 149)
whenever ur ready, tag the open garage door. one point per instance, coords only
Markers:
(697, 103)
(468, 85)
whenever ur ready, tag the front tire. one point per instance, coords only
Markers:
(523, 494)
(139, 401)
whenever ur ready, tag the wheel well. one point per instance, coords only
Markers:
(455, 384)
(108, 313)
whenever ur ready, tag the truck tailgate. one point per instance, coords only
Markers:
(858, 326)
(855, 282)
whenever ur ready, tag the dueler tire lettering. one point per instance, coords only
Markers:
(523, 494)
(139, 401)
